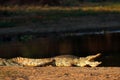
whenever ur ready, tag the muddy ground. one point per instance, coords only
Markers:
(59, 73)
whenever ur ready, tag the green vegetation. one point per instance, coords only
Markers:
(12, 16)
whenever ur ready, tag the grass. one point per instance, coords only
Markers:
(12, 16)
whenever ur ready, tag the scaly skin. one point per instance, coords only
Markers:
(63, 60)
(69, 60)
(19, 61)
(32, 62)
(7, 62)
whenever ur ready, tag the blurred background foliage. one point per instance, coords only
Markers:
(50, 2)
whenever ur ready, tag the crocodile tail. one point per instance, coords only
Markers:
(31, 62)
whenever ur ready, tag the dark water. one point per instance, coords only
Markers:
(79, 44)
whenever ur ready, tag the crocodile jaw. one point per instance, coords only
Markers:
(88, 61)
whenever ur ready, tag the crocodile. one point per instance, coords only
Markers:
(58, 61)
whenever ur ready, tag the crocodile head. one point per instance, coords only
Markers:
(88, 61)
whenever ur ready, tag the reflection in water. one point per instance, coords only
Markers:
(70, 43)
